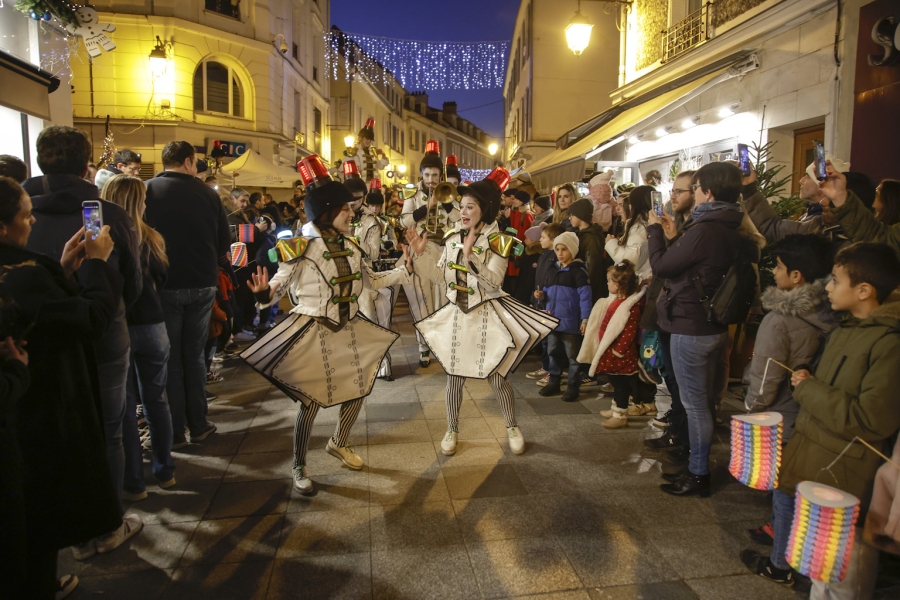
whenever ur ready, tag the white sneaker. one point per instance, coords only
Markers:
(448, 444)
(544, 380)
(346, 454)
(539, 374)
(67, 583)
(218, 359)
(84, 551)
(302, 481)
(131, 524)
(516, 441)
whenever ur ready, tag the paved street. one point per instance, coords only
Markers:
(579, 515)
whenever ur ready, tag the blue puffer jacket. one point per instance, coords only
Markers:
(569, 297)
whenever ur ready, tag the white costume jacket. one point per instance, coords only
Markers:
(416, 213)
(324, 351)
(482, 330)
(367, 162)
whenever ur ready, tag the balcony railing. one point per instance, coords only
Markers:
(686, 33)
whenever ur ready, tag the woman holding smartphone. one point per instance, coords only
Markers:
(632, 244)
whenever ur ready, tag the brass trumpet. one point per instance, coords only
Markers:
(444, 193)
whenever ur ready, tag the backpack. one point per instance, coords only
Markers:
(730, 304)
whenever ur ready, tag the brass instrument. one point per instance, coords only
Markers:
(444, 193)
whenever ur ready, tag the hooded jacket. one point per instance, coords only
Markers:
(590, 249)
(707, 249)
(619, 336)
(853, 393)
(792, 332)
(568, 297)
(860, 224)
(634, 249)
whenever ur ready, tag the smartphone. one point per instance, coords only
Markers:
(820, 160)
(92, 214)
(744, 159)
(656, 199)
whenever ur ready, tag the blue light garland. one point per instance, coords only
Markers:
(474, 174)
(417, 64)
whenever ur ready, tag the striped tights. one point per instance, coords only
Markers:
(502, 390)
(306, 416)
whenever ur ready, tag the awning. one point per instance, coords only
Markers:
(250, 170)
(567, 165)
(25, 87)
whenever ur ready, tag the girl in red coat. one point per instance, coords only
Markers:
(610, 339)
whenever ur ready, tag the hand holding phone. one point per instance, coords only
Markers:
(819, 160)
(92, 215)
(744, 159)
(656, 200)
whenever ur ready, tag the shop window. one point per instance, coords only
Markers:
(317, 126)
(295, 51)
(218, 90)
(228, 8)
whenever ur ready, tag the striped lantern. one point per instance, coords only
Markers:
(245, 233)
(756, 449)
(822, 532)
(239, 254)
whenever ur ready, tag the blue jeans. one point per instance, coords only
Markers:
(187, 312)
(783, 515)
(695, 358)
(545, 355)
(113, 376)
(563, 350)
(147, 383)
(678, 418)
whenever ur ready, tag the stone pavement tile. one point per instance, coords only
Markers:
(146, 585)
(549, 478)
(243, 539)
(569, 595)
(572, 512)
(489, 519)
(472, 452)
(276, 400)
(606, 447)
(737, 502)
(388, 486)
(489, 407)
(154, 547)
(321, 433)
(699, 551)
(230, 581)
(402, 411)
(437, 411)
(433, 393)
(266, 420)
(530, 425)
(319, 462)
(414, 526)
(238, 392)
(475, 428)
(634, 472)
(333, 491)
(217, 444)
(746, 587)
(233, 420)
(250, 498)
(418, 455)
(397, 432)
(555, 406)
(182, 503)
(336, 577)
(483, 481)
(190, 470)
(669, 590)
(388, 395)
(690, 510)
(616, 558)
(521, 566)
(272, 440)
(325, 532)
(440, 573)
(259, 466)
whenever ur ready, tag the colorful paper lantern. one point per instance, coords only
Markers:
(246, 233)
(823, 531)
(239, 254)
(756, 449)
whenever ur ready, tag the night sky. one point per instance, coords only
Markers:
(439, 21)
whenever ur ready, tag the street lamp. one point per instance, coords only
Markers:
(349, 140)
(401, 168)
(158, 59)
(578, 32)
(492, 149)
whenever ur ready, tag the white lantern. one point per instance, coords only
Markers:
(578, 33)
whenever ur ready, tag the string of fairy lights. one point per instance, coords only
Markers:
(474, 174)
(416, 64)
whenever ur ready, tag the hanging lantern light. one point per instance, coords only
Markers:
(245, 233)
(158, 59)
(578, 32)
(239, 253)
(823, 531)
(756, 449)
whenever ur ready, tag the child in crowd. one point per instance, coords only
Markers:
(610, 342)
(852, 394)
(568, 299)
(545, 270)
(266, 236)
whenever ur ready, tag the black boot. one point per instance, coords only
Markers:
(675, 475)
(689, 485)
(663, 442)
(677, 456)
(571, 394)
(551, 389)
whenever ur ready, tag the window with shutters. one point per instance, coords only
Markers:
(218, 90)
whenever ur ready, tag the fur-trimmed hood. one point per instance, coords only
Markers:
(592, 348)
(798, 302)
(890, 309)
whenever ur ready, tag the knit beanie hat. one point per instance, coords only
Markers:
(569, 240)
(543, 202)
(583, 209)
(522, 196)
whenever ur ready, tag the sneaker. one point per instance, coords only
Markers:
(544, 380)
(424, 359)
(214, 377)
(67, 583)
(764, 535)
(516, 441)
(637, 410)
(210, 396)
(180, 445)
(539, 374)
(225, 355)
(84, 551)
(210, 428)
(245, 336)
(167, 484)
(133, 496)
(762, 566)
(607, 388)
(217, 360)
(617, 420)
(551, 389)
(301, 478)
(664, 420)
(346, 454)
(131, 525)
(588, 381)
(232, 347)
(448, 444)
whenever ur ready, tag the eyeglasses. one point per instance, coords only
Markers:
(694, 187)
(678, 192)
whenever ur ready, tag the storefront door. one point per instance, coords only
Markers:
(803, 151)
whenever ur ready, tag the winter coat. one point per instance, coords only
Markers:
(147, 309)
(634, 249)
(603, 214)
(544, 274)
(568, 297)
(68, 490)
(792, 332)
(14, 380)
(650, 316)
(775, 228)
(707, 249)
(520, 221)
(860, 224)
(883, 524)
(853, 393)
(544, 217)
(528, 263)
(590, 249)
(619, 338)
(58, 216)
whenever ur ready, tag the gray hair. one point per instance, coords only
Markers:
(238, 192)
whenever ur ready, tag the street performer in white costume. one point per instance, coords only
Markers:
(426, 214)
(369, 161)
(325, 352)
(452, 170)
(482, 333)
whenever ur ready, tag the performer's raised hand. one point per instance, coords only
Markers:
(260, 282)
(407, 257)
(416, 241)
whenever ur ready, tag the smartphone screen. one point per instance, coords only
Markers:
(744, 159)
(820, 160)
(93, 218)
(656, 198)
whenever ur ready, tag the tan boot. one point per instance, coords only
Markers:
(607, 414)
(617, 420)
(637, 410)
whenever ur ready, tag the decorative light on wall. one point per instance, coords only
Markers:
(727, 111)
(159, 61)
(688, 123)
(578, 31)
(415, 64)
(662, 132)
